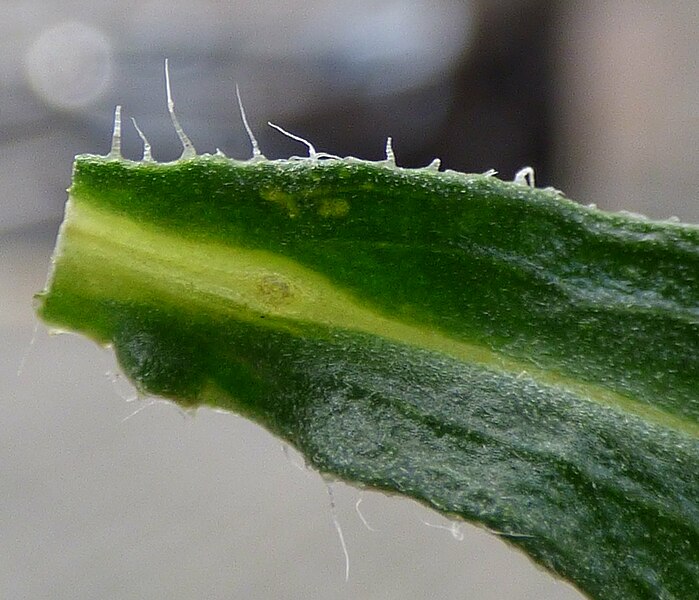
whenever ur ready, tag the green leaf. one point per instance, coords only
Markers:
(496, 352)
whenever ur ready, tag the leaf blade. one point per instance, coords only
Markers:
(393, 325)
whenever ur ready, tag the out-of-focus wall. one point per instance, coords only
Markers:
(627, 134)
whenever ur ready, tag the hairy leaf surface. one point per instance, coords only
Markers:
(497, 352)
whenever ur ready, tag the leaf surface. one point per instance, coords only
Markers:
(497, 352)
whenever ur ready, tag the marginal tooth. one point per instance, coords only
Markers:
(115, 151)
(311, 149)
(256, 152)
(390, 156)
(147, 156)
(525, 176)
(188, 148)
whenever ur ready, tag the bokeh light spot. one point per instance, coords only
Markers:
(69, 65)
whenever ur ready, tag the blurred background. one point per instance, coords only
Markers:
(601, 98)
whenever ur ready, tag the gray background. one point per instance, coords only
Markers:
(97, 502)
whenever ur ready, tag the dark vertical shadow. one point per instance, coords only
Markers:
(501, 113)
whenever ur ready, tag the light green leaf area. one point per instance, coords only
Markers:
(496, 352)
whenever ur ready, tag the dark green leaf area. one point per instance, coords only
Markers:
(597, 496)
(603, 298)
(156, 358)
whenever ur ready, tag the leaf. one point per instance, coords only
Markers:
(496, 352)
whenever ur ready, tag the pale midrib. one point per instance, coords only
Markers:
(247, 283)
